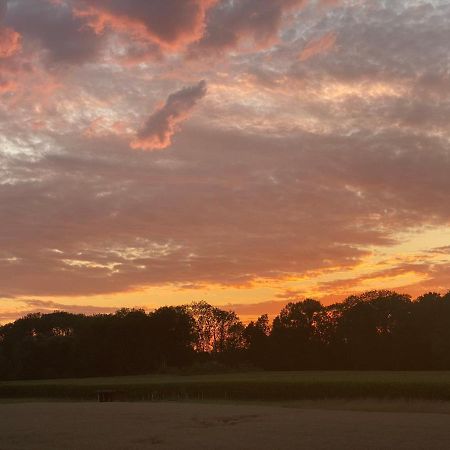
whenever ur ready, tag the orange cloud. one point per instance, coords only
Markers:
(162, 125)
(7, 86)
(318, 46)
(10, 42)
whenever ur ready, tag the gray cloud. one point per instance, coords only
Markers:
(232, 22)
(3, 9)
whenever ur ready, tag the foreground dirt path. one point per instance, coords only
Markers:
(94, 426)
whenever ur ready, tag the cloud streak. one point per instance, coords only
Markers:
(318, 46)
(33, 306)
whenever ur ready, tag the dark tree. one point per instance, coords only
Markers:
(218, 331)
(256, 337)
(295, 342)
(380, 330)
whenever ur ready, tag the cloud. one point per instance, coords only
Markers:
(206, 25)
(78, 31)
(7, 86)
(164, 123)
(53, 28)
(291, 170)
(225, 207)
(412, 277)
(374, 42)
(172, 24)
(3, 8)
(46, 306)
(10, 46)
(330, 3)
(234, 22)
(33, 306)
(10, 42)
(318, 46)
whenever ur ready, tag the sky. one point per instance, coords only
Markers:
(243, 152)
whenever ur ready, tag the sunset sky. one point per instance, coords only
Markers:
(242, 152)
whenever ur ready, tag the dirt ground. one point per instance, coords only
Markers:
(345, 425)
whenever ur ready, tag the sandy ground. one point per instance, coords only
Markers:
(95, 426)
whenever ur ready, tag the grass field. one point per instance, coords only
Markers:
(265, 386)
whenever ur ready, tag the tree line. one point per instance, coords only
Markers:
(377, 330)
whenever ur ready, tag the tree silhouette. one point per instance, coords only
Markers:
(380, 330)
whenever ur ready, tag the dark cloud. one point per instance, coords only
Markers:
(162, 125)
(170, 23)
(52, 26)
(209, 25)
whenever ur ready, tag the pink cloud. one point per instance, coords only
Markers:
(7, 86)
(169, 23)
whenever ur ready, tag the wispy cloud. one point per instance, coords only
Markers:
(322, 45)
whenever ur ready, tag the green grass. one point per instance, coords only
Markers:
(260, 386)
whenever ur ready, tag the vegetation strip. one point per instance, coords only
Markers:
(247, 386)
